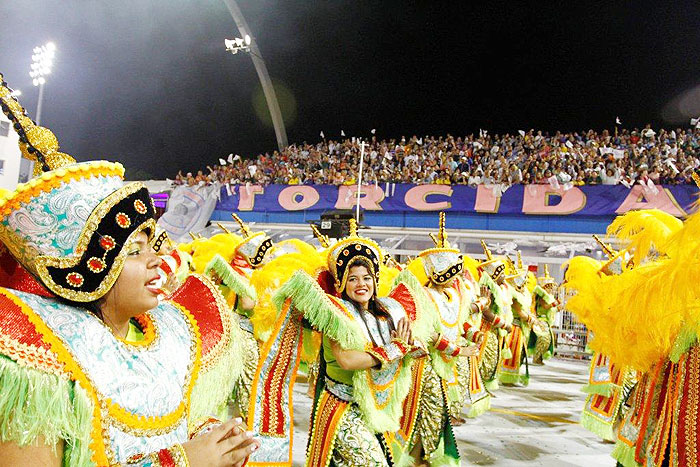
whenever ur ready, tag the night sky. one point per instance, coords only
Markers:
(148, 82)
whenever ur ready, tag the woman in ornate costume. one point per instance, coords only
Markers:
(437, 392)
(93, 369)
(541, 343)
(368, 346)
(524, 321)
(497, 319)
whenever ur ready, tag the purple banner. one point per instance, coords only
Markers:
(599, 200)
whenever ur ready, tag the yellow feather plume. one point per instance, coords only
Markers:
(647, 231)
(386, 279)
(637, 316)
(205, 249)
(418, 270)
(270, 277)
(471, 265)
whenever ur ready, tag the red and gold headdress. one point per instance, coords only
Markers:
(351, 249)
(68, 225)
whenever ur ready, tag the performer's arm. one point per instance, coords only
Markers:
(352, 359)
(374, 356)
(497, 322)
(13, 455)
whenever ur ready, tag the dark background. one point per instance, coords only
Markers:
(149, 84)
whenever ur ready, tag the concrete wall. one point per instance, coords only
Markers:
(10, 155)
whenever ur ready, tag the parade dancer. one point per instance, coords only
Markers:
(510, 369)
(368, 346)
(471, 386)
(541, 343)
(660, 427)
(497, 318)
(94, 370)
(438, 394)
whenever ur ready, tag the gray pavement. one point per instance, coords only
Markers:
(536, 425)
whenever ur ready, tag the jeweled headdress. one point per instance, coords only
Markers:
(518, 276)
(441, 263)
(254, 245)
(494, 267)
(547, 282)
(616, 259)
(68, 225)
(350, 249)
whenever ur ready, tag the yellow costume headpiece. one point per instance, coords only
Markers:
(254, 245)
(441, 263)
(494, 267)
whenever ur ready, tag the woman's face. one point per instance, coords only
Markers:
(360, 285)
(135, 291)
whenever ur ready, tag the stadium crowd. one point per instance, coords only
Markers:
(587, 158)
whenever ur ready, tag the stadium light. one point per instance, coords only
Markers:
(239, 44)
(42, 62)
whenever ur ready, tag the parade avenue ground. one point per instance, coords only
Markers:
(534, 425)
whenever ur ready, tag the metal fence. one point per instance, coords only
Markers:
(571, 335)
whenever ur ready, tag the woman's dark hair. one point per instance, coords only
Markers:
(92, 307)
(373, 306)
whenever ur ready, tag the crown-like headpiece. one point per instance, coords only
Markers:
(36, 143)
(616, 262)
(69, 225)
(351, 249)
(494, 267)
(518, 276)
(546, 281)
(254, 245)
(322, 239)
(441, 263)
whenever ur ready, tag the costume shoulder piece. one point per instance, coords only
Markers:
(111, 421)
(221, 343)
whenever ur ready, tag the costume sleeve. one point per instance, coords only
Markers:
(36, 403)
(230, 278)
(471, 333)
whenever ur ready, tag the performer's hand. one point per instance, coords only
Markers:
(540, 325)
(403, 331)
(469, 351)
(485, 296)
(480, 339)
(227, 444)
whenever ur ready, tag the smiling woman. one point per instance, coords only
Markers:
(94, 370)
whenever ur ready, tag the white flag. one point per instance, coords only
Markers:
(322, 135)
(222, 162)
(569, 145)
(237, 157)
(374, 131)
(342, 133)
(553, 182)
(230, 158)
(522, 133)
(617, 121)
(695, 122)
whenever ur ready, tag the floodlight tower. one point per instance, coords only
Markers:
(247, 44)
(42, 61)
